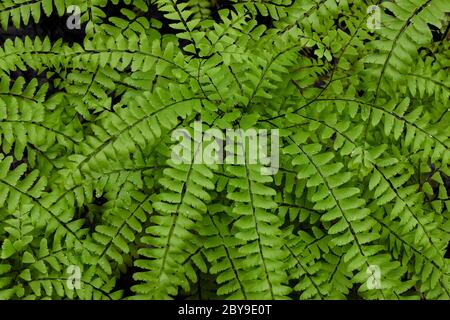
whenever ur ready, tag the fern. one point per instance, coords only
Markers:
(88, 181)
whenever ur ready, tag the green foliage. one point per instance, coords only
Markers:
(86, 178)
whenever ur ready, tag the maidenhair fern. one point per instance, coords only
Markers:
(93, 205)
